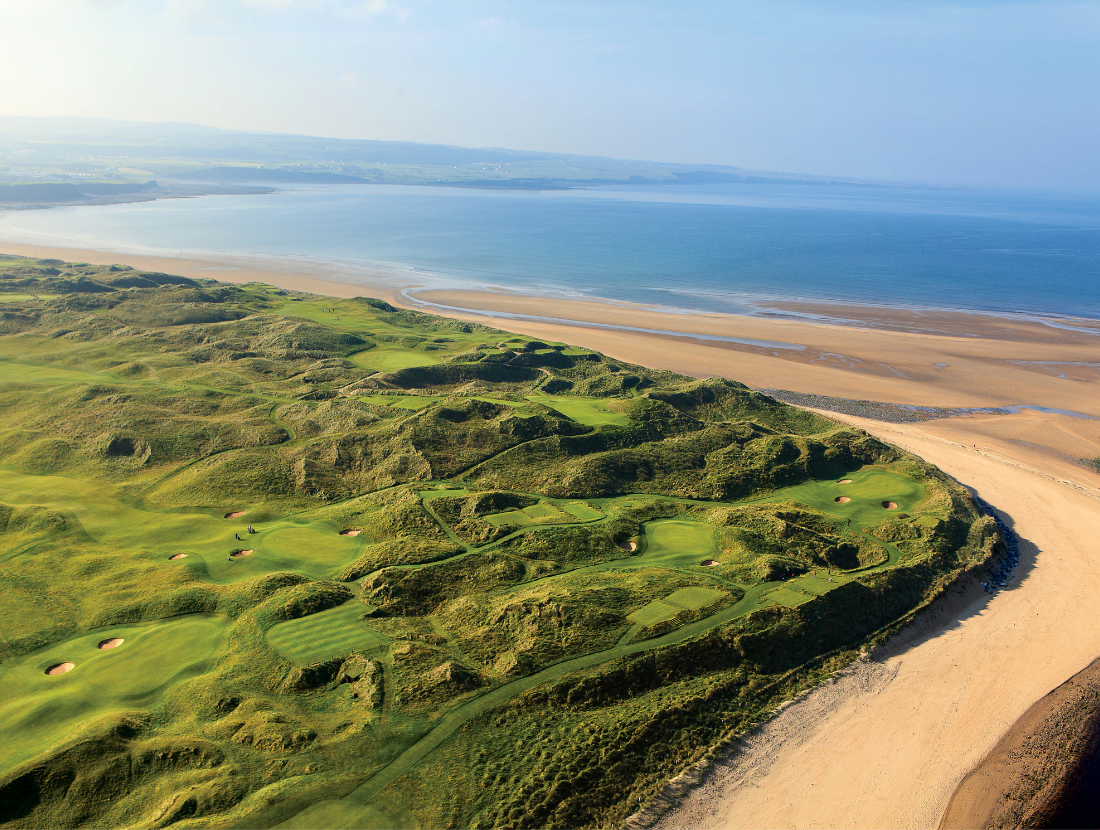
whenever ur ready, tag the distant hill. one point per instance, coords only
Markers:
(62, 148)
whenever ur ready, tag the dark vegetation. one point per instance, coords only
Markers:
(636, 581)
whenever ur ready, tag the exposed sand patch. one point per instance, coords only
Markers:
(889, 505)
(630, 546)
(845, 481)
(236, 514)
(708, 563)
(176, 556)
(842, 499)
(111, 642)
(60, 668)
(350, 532)
(237, 554)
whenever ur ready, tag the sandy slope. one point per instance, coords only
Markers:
(885, 745)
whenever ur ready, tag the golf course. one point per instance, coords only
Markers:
(275, 559)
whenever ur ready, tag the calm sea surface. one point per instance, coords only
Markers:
(710, 247)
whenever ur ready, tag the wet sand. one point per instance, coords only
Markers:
(887, 744)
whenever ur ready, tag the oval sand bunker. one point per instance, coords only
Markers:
(890, 505)
(60, 668)
(237, 554)
(845, 481)
(708, 563)
(177, 556)
(110, 642)
(352, 532)
(630, 546)
(236, 514)
(842, 499)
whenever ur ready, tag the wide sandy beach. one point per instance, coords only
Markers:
(888, 742)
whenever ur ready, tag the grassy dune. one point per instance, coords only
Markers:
(375, 568)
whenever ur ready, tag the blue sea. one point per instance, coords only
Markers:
(718, 248)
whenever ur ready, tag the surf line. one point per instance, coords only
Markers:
(509, 315)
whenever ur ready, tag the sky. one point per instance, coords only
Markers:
(964, 92)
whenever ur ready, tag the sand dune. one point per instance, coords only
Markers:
(887, 743)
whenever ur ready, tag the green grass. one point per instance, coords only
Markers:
(391, 359)
(869, 489)
(39, 710)
(591, 411)
(688, 599)
(673, 543)
(582, 511)
(316, 549)
(126, 442)
(411, 402)
(546, 512)
(327, 634)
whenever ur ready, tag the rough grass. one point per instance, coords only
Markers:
(523, 666)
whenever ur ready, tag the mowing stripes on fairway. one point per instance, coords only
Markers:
(322, 636)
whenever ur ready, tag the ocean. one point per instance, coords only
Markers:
(715, 248)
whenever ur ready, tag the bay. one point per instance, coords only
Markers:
(717, 248)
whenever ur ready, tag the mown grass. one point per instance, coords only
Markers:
(324, 635)
(494, 484)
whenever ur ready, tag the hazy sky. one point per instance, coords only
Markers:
(974, 92)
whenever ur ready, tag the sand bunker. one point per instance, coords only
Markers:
(890, 505)
(845, 481)
(630, 546)
(177, 556)
(350, 532)
(110, 642)
(236, 514)
(237, 554)
(708, 563)
(842, 499)
(60, 668)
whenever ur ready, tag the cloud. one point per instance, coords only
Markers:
(373, 8)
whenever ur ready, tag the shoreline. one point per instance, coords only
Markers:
(410, 287)
(1025, 463)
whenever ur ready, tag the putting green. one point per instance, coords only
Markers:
(316, 550)
(384, 359)
(591, 411)
(38, 709)
(870, 487)
(675, 543)
(322, 636)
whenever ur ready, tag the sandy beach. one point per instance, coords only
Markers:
(887, 743)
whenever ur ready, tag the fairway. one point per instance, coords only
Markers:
(332, 633)
(39, 709)
(591, 411)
